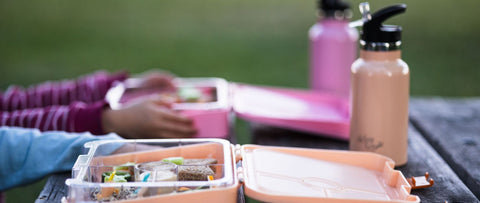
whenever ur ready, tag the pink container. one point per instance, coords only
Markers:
(269, 174)
(210, 118)
(304, 110)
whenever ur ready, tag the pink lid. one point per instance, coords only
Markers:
(303, 110)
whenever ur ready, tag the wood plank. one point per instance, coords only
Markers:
(422, 157)
(452, 127)
(55, 188)
(448, 187)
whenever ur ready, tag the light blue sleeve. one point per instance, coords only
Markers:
(27, 155)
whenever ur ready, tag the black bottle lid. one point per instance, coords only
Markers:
(375, 32)
(330, 8)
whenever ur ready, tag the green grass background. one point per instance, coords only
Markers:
(251, 41)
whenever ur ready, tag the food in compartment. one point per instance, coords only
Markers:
(114, 194)
(183, 94)
(192, 94)
(207, 161)
(116, 176)
(127, 167)
(156, 171)
(197, 169)
(122, 173)
(194, 173)
(175, 160)
(189, 94)
(168, 169)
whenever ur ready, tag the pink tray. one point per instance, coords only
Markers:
(297, 109)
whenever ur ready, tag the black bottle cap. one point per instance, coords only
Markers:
(374, 31)
(330, 7)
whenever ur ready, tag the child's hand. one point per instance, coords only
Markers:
(156, 80)
(148, 117)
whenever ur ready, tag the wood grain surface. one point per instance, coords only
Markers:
(421, 158)
(452, 127)
(444, 140)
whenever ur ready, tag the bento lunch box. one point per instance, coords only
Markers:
(269, 174)
(304, 110)
(210, 116)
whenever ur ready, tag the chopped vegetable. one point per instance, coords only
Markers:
(118, 176)
(189, 94)
(183, 189)
(105, 193)
(175, 160)
(146, 177)
(119, 179)
(125, 166)
(210, 178)
(110, 178)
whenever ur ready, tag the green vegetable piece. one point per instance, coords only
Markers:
(175, 160)
(120, 174)
(124, 166)
(189, 94)
(119, 179)
(105, 179)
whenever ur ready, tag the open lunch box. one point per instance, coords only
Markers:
(210, 102)
(212, 170)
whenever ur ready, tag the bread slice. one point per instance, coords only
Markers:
(196, 169)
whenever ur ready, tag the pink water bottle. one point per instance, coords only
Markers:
(333, 48)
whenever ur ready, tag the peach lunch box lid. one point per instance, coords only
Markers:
(285, 174)
(273, 174)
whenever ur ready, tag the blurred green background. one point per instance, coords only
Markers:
(251, 41)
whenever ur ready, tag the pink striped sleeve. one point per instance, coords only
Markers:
(88, 89)
(85, 117)
(77, 117)
(41, 118)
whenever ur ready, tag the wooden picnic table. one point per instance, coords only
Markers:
(444, 140)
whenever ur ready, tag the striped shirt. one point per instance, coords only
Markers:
(70, 105)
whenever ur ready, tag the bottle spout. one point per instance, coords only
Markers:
(364, 8)
(377, 36)
(373, 29)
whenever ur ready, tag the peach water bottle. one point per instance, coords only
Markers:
(333, 48)
(380, 90)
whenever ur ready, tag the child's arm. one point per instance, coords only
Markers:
(27, 155)
(76, 117)
(88, 89)
(149, 117)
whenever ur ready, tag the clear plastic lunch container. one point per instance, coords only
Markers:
(211, 170)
